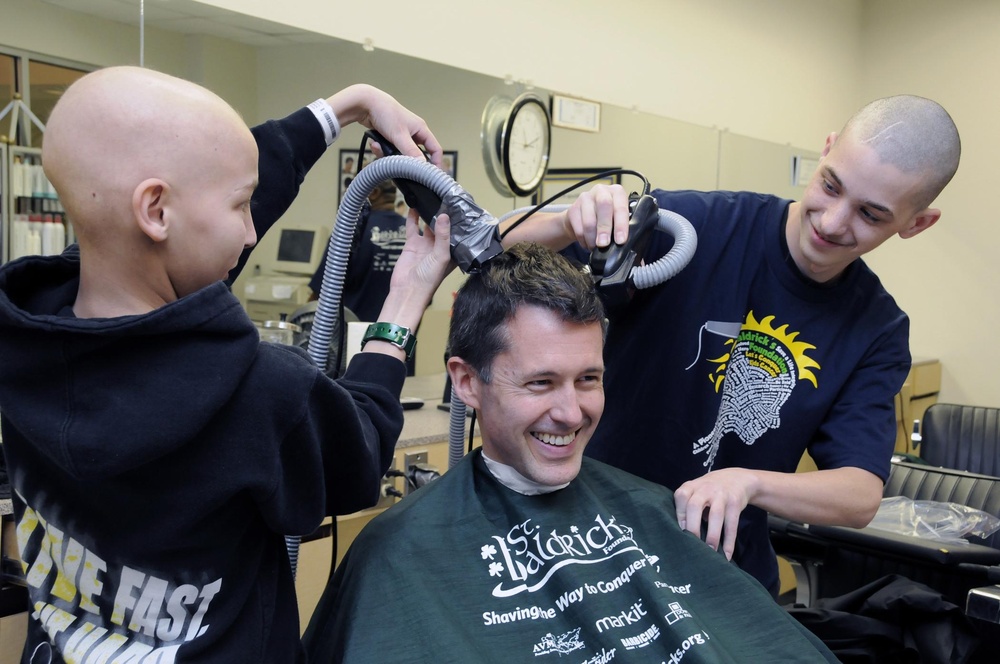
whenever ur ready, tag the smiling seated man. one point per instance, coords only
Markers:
(526, 549)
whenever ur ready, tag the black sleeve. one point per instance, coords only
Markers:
(287, 148)
(340, 442)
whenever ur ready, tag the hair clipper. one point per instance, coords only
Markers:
(612, 266)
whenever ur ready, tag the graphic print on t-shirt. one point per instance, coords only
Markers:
(756, 376)
(98, 610)
(389, 245)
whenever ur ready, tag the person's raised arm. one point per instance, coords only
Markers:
(289, 147)
(590, 220)
(378, 110)
(420, 269)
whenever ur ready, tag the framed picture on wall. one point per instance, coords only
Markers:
(449, 163)
(558, 180)
(349, 168)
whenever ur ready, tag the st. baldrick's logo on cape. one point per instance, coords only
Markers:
(530, 553)
(757, 376)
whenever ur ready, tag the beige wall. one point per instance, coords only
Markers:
(947, 278)
(784, 71)
(780, 70)
(668, 152)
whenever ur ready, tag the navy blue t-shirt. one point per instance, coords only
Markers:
(370, 267)
(813, 366)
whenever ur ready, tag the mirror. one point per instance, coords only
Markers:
(274, 70)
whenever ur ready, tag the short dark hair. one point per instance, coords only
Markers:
(525, 274)
(384, 195)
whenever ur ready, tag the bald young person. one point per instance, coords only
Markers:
(776, 339)
(158, 451)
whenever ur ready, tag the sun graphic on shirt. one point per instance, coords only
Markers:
(803, 363)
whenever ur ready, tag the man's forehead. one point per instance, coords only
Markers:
(554, 346)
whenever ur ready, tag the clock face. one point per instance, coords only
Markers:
(526, 145)
(516, 139)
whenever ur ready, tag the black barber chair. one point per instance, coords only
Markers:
(962, 437)
(831, 561)
(835, 559)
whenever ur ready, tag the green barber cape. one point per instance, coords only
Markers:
(466, 570)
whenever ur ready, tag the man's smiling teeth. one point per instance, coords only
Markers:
(558, 441)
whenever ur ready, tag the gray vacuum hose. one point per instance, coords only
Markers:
(668, 265)
(339, 250)
(675, 260)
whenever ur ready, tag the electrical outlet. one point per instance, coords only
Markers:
(410, 459)
(386, 498)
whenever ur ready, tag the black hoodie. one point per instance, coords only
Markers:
(157, 460)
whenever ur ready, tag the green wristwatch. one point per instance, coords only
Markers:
(397, 335)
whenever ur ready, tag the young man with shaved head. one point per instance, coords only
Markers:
(158, 451)
(775, 339)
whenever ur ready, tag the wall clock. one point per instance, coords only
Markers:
(517, 138)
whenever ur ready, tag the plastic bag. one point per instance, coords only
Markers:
(949, 522)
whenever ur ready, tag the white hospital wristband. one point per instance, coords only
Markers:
(327, 119)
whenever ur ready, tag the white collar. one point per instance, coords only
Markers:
(515, 481)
